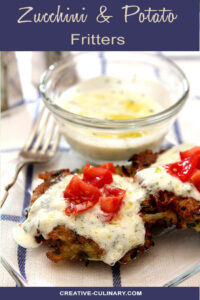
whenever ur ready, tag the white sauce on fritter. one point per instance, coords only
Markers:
(120, 235)
(116, 237)
(155, 178)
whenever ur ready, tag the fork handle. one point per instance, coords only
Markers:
(20, 281)
(18, 168)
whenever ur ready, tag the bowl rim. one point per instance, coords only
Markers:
(114, 124)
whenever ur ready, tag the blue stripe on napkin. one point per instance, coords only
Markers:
(12, 218)
(21, 252)
(116, 276)
(178, 132)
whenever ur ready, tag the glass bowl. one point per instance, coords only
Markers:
(107, 140)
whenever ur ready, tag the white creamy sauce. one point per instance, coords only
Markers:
(118, 236)
(111, 104)
(110, 98)
(155, 178)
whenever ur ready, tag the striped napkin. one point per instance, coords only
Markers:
(33, 265)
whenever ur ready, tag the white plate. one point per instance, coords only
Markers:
(175, 251)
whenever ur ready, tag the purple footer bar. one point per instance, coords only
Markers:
(52, 293)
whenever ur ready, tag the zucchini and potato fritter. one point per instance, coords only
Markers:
(163, 209)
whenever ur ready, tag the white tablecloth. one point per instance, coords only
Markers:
(17, 122)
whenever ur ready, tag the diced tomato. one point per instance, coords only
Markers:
(77, 209)
(105, 217)
(183, 169)
(110, 190)
(195, 179)
(112, 201)
(97, 176)
(110, 204)
(80, 196)
(190, 152)
(109, 166)
(81, 191)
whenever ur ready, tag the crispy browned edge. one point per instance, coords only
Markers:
(164, 210)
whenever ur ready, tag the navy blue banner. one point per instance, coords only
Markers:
(107, 293)
(99, 25)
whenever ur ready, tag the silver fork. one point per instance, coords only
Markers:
(20, 281)
(35, 149)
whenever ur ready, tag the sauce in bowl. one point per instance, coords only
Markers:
(127, 110)
(112, 104)
(107, 98)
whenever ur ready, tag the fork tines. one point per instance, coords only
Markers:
(44, 137)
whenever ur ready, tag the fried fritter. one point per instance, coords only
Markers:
(164, 210)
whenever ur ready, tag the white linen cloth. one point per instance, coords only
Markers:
(16, 124)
